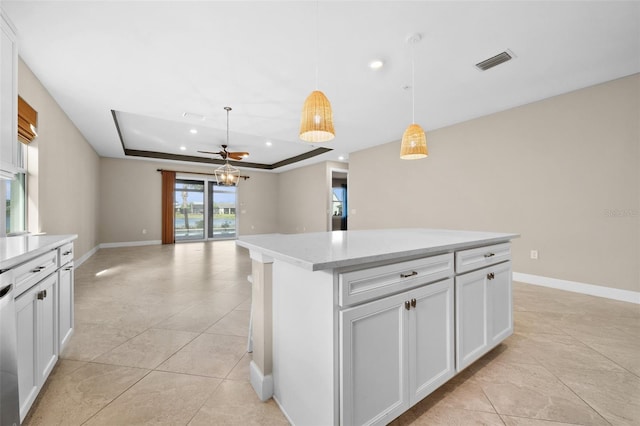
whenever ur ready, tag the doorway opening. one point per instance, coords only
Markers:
(339, 201)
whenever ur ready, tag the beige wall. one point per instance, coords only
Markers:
(63, 190)
(130, 192)
(303, 198)
(563, 172)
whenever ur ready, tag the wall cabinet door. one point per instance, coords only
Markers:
(431, 339)
(374, 362)
(36, 323)
(395, 351)
(27, 329)
(65, 313)
(483, 312)
(8, 99)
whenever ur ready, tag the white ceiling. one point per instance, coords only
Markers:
(153, 61)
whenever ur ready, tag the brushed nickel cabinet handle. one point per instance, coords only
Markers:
(413, 273)
(407, 305)
(413, 303)
(67, 252)
(489, 254)
(37, 269)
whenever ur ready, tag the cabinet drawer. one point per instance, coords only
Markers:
(468, 260)
(65, 254)
(367, 284)
(29, 273)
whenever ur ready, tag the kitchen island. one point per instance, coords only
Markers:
(355, 327)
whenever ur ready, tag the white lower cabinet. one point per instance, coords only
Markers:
(395, 351)
(65, 311)
(36, 322)
(484, 309)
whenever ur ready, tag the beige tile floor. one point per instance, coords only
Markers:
(161, 337)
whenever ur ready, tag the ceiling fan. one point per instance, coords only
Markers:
(233, 155)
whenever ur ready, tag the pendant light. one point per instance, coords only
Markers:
(227, 175)
(414, 141)
(316, 122)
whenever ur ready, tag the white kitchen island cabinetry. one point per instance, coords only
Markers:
(411, 335)
(40, 267)
(354, 327)
(484, 312)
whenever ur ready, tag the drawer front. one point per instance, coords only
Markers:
(468, 260)
(65, 254)
(367, 284)
(29, 273)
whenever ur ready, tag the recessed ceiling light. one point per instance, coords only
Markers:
(341, 158)
(376, 64)
(183, 148)
(193, 131)
(268, 143)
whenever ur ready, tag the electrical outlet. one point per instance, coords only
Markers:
(534, 254)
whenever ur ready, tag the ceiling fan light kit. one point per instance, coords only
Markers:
(414, 140)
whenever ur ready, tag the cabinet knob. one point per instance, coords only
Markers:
(489, 254)
(413, 303)
(491, 276)
(413, 273)
(407, 305)
(41, 295)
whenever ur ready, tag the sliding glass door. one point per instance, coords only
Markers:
(201, 214)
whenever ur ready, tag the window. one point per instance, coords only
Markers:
(222, 205)
(189, 210)
(15, 204)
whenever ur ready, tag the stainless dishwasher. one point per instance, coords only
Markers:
(9, 399)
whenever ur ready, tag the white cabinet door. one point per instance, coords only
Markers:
(65, 313)
(37, 327)
(27, 328)
(8, 98)
(484, 312)
(500, 303)
(374, 361)
(431, 338)
(471, 318)
(47, 326)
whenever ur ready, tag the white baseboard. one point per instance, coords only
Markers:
(131, 244)
(84, 257)
(263, 385)
(577, 287)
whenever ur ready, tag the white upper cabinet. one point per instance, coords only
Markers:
(9, 158)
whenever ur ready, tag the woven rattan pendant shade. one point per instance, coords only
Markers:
(316, 122)
(414, 143)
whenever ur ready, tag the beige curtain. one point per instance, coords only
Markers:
(168, 190)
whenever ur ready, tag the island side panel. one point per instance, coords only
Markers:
(260, 368)
(304, 344)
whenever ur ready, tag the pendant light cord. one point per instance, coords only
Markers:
(317, 40)
(413, 85)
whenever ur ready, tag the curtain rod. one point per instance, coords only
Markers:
(196, 173)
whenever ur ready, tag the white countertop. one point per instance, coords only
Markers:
(329, 250)
(19, 249)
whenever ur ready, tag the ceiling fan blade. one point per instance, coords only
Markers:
(209, 152)
(238, 155)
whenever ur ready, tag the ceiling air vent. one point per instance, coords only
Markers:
(495, 60)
